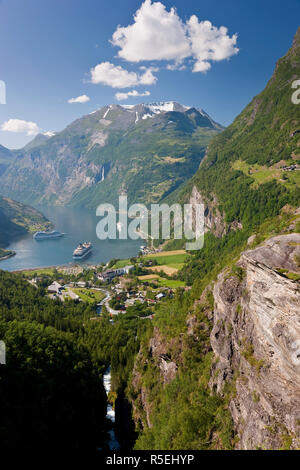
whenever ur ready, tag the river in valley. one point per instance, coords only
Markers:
(79, 225)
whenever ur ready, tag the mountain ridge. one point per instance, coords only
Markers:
(146, 151)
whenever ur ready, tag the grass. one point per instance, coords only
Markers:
(162, 282)
(121, 263)
(89, 295)
(173, 259)
(38, 272)
(167, 253)
(263, 174)
(172, 283)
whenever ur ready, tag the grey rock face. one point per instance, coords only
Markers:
(256, 336)
(214, 221)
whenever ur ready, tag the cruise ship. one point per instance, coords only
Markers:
(82, 250)
(47, 235)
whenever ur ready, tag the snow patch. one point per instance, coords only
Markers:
(49, 133)
(106, 112)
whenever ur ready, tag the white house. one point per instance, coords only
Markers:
(55, 288)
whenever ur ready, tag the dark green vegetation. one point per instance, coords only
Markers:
(16, 219)
(51, 392)
(110, 151)
(185, 413)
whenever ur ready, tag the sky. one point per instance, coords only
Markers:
(61, 59)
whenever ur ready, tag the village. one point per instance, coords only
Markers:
(117, 286)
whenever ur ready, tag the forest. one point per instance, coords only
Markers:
(51, 392)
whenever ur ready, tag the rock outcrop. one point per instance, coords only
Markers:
(256, 339)
(165, 366)
(214, 220)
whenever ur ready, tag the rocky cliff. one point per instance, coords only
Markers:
(246, 328)
(256, 340)
(214, 220)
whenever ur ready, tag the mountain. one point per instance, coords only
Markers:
(251, 170)
(146, 151)
(218, 367)
(6, 158)
(38, 140)
(16, 219)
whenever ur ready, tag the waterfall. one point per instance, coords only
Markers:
(113, 444)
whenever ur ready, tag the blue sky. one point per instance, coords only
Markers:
(48, 49)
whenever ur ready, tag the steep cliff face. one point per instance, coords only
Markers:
(237, 356)
(214, 220)
(164, 363)
(256, 339)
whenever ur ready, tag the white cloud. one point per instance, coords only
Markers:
(17, 125)
(115, 76)
(209, 43)
(159, 34)
(156, 34)
(125, 96)
(79, 99)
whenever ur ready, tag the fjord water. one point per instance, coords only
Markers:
(79, 225)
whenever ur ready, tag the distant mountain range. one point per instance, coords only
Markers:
(146, 151)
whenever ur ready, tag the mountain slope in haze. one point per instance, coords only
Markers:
(6, 158)
(17, 219)
(39, 139)
(145, 151)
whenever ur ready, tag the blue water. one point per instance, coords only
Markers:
(79, 226)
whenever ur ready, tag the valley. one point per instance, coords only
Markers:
(186, 350)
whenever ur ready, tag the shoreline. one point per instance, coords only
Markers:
(10, 255)
(62, 266)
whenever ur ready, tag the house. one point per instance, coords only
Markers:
(55, 288)
(81, 284)
(128, 268)
(108, 275)
(160, 296)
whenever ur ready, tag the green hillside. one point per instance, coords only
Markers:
(17, 219)
(246, 174)
(243, 166)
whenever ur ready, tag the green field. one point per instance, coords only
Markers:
(172, 260)
(38, 272)
(89, 295)
(162, 282)
(121, 263)
(172, 283)
(263, 174)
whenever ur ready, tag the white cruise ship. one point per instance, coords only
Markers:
(47, 235)
(82, 250)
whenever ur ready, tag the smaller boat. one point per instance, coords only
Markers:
(47, 235)
(82, 250)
